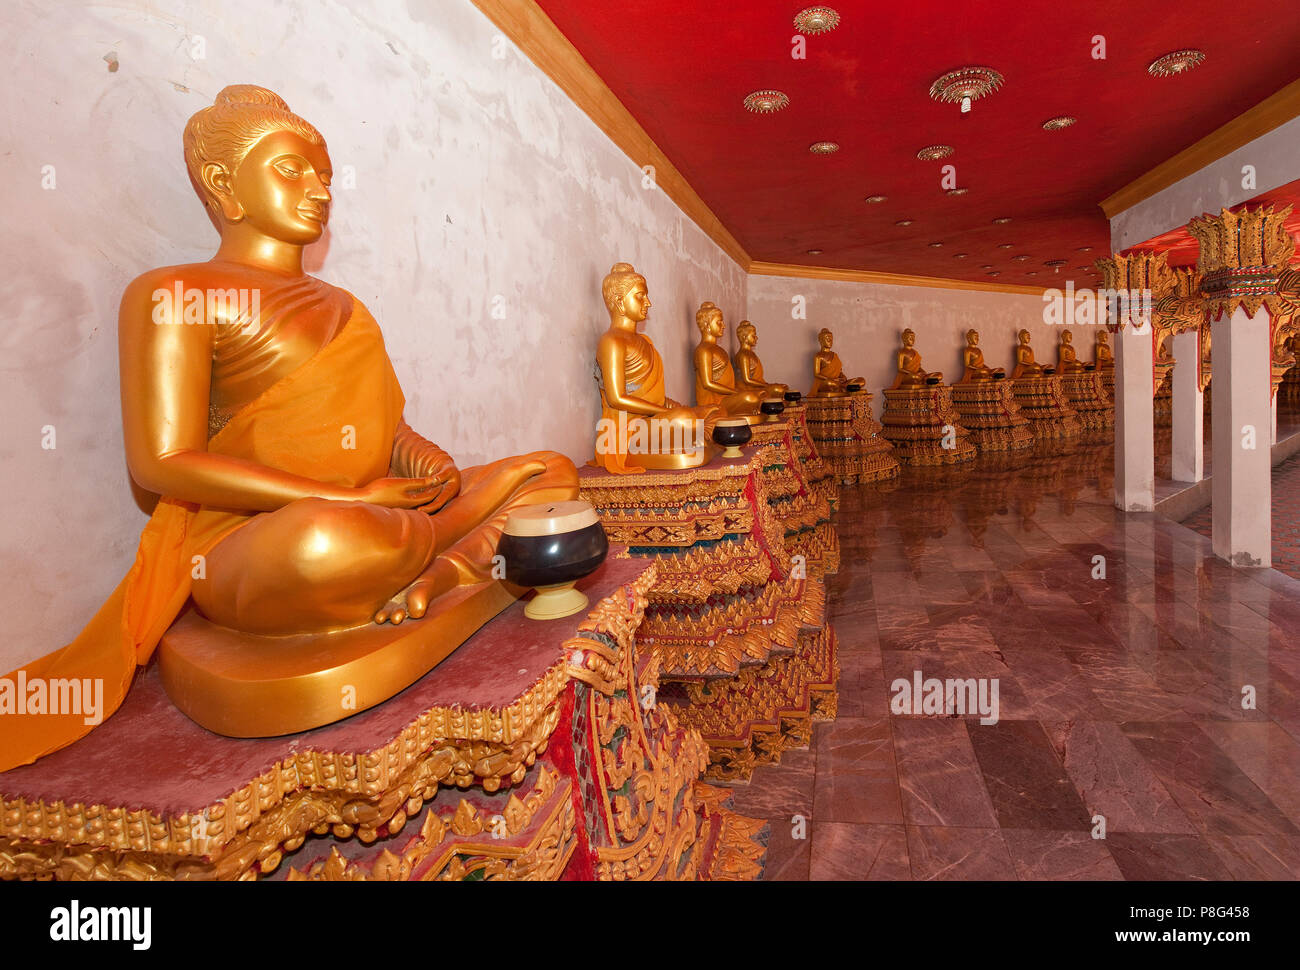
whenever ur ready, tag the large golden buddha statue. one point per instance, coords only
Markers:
(298, 508)
(749, 369)
(641, 427)
(1067, 358)
(1026, 366)
(828, 371)
(910, 373)
(973, 360)
(715, 381)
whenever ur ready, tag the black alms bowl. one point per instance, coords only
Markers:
(933, 380)
(732, 435)
(569, 543)
(1089, 366)
(772, 405)
(793, 397)
(853, 387)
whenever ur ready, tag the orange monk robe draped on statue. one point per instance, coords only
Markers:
(295, 425)
(643, 374)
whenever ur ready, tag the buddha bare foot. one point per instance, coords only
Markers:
(440, 577)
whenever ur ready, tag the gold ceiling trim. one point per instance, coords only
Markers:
(884, 279)
(1270, 113)
(534, 33)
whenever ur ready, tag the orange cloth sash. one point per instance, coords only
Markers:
(346, 394)
(645, 379)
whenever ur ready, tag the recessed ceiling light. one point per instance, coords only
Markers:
(814, 252)
(1005, 245)
(1085, 267)
(1054, 262)
(824, 148)
(1084, 249)
(1032, 272)
(874, 199)
(994, 273)
(987, 266)
(958, 255)
(935, 245)
(1002, 220)
(965, 85)
(903, 222)
(1020, 259)
(961, 191)
(932, 153)
(816, 20)
(766, 102)
(1059, 122)
(1178, 62)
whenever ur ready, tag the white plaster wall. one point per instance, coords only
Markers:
(475, 177)
(868, 320)
(1275, 157)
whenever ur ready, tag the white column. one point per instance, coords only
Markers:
(1135, 453)
(1189, 410)
(1242, 487)
(1273, 439)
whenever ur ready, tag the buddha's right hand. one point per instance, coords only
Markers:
(400, 493)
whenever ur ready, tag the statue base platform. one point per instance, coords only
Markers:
(1042, 401)
(990, 414)
(1086, 393)
(848, 438)
(509, 761)
(741, 548)
(247, 686)
(922, 425)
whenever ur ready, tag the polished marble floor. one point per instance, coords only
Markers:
(1160, 698)
(1286, 517)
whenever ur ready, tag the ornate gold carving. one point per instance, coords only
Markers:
(1242, 259)
(1042, 401)
(923, 426)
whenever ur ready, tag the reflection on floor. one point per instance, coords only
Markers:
(1286, 517)
(1120, 695)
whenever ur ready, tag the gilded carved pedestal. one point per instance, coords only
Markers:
(1086, 392)
(1042, 401)
(736, 621)
(989, 413)
(923, 426)
(849, 438)
(536, 751)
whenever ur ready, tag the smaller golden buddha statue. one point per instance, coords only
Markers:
(1102, 355)
(715, 381)
(637, 416)
(973, 359)
(749, 369)
(1026, 366)
(1067, 359)
(910, 373)
(828, 371)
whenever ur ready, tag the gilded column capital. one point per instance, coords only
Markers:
(1244, 260)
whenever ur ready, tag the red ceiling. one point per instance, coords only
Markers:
(683, 68)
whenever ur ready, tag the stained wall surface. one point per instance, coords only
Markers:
(476, 210)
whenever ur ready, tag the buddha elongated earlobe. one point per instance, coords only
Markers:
(216, 179)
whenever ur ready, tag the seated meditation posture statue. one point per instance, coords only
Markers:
(910, 373)
(298, 509)
(715, 381)
(828, 372)
(973, 359)
(1067, 358)
(1102, 355)
(1025, 363)
(749, 369)
(641, 427)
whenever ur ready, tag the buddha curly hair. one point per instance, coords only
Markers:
(705, 313)
(622, 277)
(226, 131)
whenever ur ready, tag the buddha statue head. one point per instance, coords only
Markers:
(909, 338)
(1023, 337)
(709, 320)
(261, 171)
(1103, 338)
(1066, 337)
(746, 335)
(825, 338)
(625, 293)
(972, 338)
